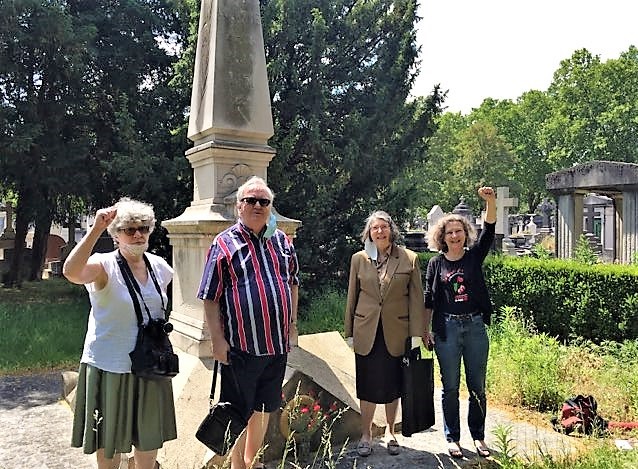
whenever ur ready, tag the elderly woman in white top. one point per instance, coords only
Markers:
(116, 410)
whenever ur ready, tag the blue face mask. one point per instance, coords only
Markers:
(271, 226)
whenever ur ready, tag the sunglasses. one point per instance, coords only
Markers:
(131, 230)
(254, 200)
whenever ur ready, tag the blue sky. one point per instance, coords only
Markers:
(502, 48)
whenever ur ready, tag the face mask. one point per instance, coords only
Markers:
(134, 249)
(371, 249)
(271, 226)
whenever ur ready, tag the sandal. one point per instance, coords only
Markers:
(393, 447)
(482, 449)
(455, 450)
(364, 449)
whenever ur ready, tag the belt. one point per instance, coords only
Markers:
(462, 317)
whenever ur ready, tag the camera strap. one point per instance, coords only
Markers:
(134, 287)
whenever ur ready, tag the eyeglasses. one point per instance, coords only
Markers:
(254, 200)
(380, 228)
(131, 230)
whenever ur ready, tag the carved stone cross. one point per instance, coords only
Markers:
(503, 204)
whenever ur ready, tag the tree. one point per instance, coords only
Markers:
(43, 58)
(523, 126)
(594, 109)
(340, 72)
(86, 99)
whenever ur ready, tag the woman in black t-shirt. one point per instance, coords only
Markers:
(456, 293)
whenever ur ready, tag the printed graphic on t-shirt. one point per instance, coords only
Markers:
(456, 282)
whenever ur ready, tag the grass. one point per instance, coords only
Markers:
(43, 326)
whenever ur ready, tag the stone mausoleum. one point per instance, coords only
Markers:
(616, 180)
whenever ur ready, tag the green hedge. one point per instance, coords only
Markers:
(566, 299)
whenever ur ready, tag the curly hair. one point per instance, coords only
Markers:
(380, 215)
(436, 233)
(131, 211)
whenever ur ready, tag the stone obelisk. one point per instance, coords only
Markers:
(230, 124)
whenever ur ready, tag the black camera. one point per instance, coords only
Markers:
(153, 356)
(158, 326)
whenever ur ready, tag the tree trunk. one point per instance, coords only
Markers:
(13, 278)
(39, 248)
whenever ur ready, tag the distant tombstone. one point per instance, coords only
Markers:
(503, 203)
(463, 209)
(434, 215)
(9, 232)
(546, 209)
(54, 248)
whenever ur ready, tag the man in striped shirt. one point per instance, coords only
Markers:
(250, 291)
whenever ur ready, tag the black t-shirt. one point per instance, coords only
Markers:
(457, 287)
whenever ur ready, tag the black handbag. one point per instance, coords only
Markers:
(417, 394)
(153, 356)
(222, 425)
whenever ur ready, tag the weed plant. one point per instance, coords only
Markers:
(525, 368)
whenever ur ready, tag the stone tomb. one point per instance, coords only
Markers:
(616, 180)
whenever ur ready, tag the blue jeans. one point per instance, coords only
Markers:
(466, 338)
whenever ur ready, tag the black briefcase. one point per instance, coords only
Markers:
(417, 396)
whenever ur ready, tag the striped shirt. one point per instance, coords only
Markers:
(250, 277)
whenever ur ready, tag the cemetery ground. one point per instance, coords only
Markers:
(529, 375)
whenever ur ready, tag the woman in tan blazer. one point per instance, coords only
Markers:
(385, 307)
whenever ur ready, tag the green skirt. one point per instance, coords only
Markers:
(116, 411)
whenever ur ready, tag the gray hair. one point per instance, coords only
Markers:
(436, 233)
(254, 181)
(380, 215)
(131, 211)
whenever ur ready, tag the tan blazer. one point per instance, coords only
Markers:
(401, 305)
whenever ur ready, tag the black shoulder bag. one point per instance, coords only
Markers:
(224, 422)
(417, 396)
(152, 357)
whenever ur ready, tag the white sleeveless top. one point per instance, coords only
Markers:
(112, 327)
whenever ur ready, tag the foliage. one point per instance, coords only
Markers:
(583, 252)
(530, 371)
(85, 98)
(566, 299)
(340, 72)
(589, 112)
(541, 252)
(323, 312)
(305, 416)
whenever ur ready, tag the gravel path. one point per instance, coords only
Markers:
(35, 425)
(35, 433)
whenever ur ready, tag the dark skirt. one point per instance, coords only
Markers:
(116, 411)
(378, 374)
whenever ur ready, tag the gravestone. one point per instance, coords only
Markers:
(7, 238)
(546, 209)
(463, 210)
(503, 203)
(434, 215)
